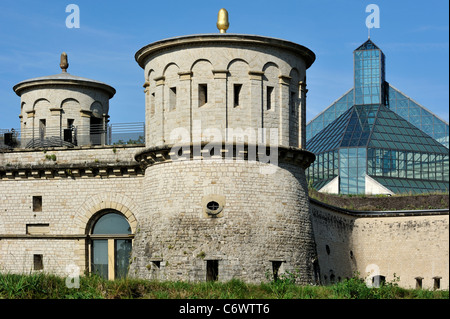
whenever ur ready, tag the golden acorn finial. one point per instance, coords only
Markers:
(222, 21)
(64, 62)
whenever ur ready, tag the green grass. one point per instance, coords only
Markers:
(44, 286)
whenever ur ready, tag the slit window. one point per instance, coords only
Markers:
(269, 97)
(38, 263)
(202, 94)
(212, 270)
(42, 128)
(172, 98)
(292, 102)
(37, 203)
(152, 103)
(236, 94)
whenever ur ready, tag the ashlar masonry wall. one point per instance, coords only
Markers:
(74, 189)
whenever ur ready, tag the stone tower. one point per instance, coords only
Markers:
(63, 110)
(225, 193)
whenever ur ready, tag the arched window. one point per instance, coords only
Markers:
(110, 245)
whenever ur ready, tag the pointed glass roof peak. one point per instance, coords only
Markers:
(368, 45)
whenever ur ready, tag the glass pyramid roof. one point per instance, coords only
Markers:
(399, 186)
(393, 132)
(399, 103)
(375, 126)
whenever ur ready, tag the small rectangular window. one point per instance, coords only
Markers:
(275, 269)
(437, 283)
(172, 98)
(269, 97)
(37, 203)
(38, 263)
(212, 270)
(202, 94)
(419, 282)
(237, 92)
(70, 123)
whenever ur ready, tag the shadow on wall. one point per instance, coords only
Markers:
(333, 237)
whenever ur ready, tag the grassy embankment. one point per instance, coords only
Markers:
(44, 286)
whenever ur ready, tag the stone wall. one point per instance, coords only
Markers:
(392, 244)
(265, 219)
(73, 189)
(112, 154)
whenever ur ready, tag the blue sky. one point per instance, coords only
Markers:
(414, 35)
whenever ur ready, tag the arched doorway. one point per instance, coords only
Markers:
(110, 245)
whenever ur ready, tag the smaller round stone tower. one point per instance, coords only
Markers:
(63, 110)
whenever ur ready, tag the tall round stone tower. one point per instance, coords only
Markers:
(224, 187)
(63, 109)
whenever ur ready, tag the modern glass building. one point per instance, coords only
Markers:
(375, 139)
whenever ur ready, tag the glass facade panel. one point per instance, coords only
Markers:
(329, 115)
(111, 223)
(100, 257)
(406, 145)
(122, 257)
(352, 170)
(418, 116)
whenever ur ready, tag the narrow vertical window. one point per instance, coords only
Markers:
(269, 97)
(212, 270)
(152, 103)
(37, 203)
(38, 263)
(202, 94)
(172, 98)
(237, 92)
(292, 103)
(42, 128)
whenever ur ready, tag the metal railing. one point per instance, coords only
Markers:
(95, 134)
